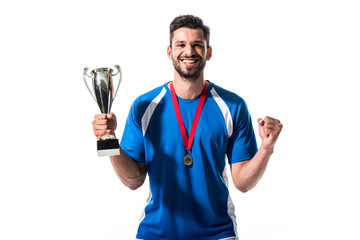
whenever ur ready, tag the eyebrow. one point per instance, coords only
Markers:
(196, 42)
(178, 42)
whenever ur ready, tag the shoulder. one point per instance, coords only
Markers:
(151, 95)
(230, 98)
(232, 103)
(146, 98)
(142, 102)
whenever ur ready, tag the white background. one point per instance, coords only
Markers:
(294, 60)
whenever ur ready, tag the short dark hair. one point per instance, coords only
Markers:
(189, 21)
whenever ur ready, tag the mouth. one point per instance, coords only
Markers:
(189, 62)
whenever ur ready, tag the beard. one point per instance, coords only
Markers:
(192, 74)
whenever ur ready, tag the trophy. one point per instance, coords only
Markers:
(103, 92)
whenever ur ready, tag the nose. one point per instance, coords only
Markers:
(189, 50)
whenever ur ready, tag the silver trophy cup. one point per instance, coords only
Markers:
(103, 91)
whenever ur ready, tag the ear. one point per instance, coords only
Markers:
(169, 51)
(209, 53)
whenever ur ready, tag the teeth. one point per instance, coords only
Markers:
(188, 61)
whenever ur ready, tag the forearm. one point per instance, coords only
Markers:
(246, 175)
(130, 172)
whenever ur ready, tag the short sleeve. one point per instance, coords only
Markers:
(132, 141)
(242, 143)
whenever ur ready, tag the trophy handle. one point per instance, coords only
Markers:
(118, 72)
(86, 84)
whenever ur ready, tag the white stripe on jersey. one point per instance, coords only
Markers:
(230, 204)
(150, 110)
(225, 111)
(143, 214)
(229, 127)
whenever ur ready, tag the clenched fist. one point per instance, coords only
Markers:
(269, 129)
(104, 124)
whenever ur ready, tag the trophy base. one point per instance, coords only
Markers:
(108, 147)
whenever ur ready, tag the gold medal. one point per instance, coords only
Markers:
(188, 160)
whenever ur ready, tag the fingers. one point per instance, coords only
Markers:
(104, 115)
(104, 124)
(272, 126)
(269, 127)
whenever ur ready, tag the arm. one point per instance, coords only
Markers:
(246, 174)
(130, 172)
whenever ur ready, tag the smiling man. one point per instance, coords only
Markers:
(189, 52)
(183, 135)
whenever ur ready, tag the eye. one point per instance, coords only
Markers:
(198, 45)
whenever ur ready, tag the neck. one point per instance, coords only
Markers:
(188, 89)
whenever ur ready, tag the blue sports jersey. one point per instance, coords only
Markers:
(188, 202)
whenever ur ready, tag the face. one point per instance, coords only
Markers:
(189, 52)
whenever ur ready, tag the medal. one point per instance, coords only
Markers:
(188, 160)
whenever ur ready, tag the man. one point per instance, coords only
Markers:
(180, 135)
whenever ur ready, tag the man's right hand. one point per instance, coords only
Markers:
(104, 124)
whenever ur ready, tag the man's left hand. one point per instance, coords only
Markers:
(269, 129)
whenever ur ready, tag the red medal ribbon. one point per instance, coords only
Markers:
(188, 141)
